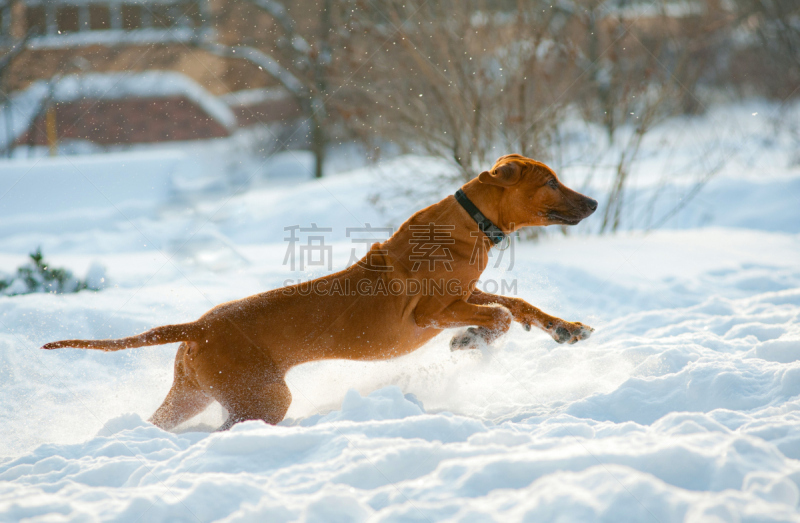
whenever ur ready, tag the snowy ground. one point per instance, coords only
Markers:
(683, 406)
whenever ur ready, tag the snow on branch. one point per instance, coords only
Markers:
(278, 12)
(261, 59)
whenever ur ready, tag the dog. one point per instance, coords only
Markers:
(405, 291)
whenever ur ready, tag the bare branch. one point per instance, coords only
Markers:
(279, 13)
(261, 59)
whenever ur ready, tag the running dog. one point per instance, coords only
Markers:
(405, 291)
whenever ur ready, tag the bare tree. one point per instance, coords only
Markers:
(462, 81)
(640, 67)
(777, 24)
(298, 58)
(10, 48)
(469, 81)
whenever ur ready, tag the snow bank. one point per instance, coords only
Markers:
(49, 187)
(412, 467)
(683, 406)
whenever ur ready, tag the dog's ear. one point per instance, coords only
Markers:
(506, 175)
(509, 156)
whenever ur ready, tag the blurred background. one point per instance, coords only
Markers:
(645, 101)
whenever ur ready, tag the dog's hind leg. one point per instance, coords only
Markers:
(185, 399)
(268, 402)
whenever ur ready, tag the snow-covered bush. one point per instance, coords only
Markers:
(37, 276)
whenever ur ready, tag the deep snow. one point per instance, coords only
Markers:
(683, 406)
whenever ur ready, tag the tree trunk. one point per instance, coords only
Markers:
(319, 114)
(317, 146)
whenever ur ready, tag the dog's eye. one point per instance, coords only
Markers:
(553, 183)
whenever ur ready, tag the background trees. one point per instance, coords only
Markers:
(298, 51)
(575, 83)
(470, 81)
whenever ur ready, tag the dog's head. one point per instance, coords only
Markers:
(533, 195)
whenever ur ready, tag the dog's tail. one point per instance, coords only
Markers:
(158, 336)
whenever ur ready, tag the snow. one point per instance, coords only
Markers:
(255, 96)
(683, 406)
(113, 37)
(38, 186)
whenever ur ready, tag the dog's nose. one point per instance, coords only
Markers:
(592, 204)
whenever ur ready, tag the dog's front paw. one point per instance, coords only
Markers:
(471, 338)
(570, 332)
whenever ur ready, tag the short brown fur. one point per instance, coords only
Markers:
(238, 353)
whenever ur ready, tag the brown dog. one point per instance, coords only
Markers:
(400, 295)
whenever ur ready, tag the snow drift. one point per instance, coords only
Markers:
(683, 406)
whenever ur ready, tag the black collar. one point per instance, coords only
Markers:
(492, 231)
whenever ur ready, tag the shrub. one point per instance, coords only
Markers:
(38, 276)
